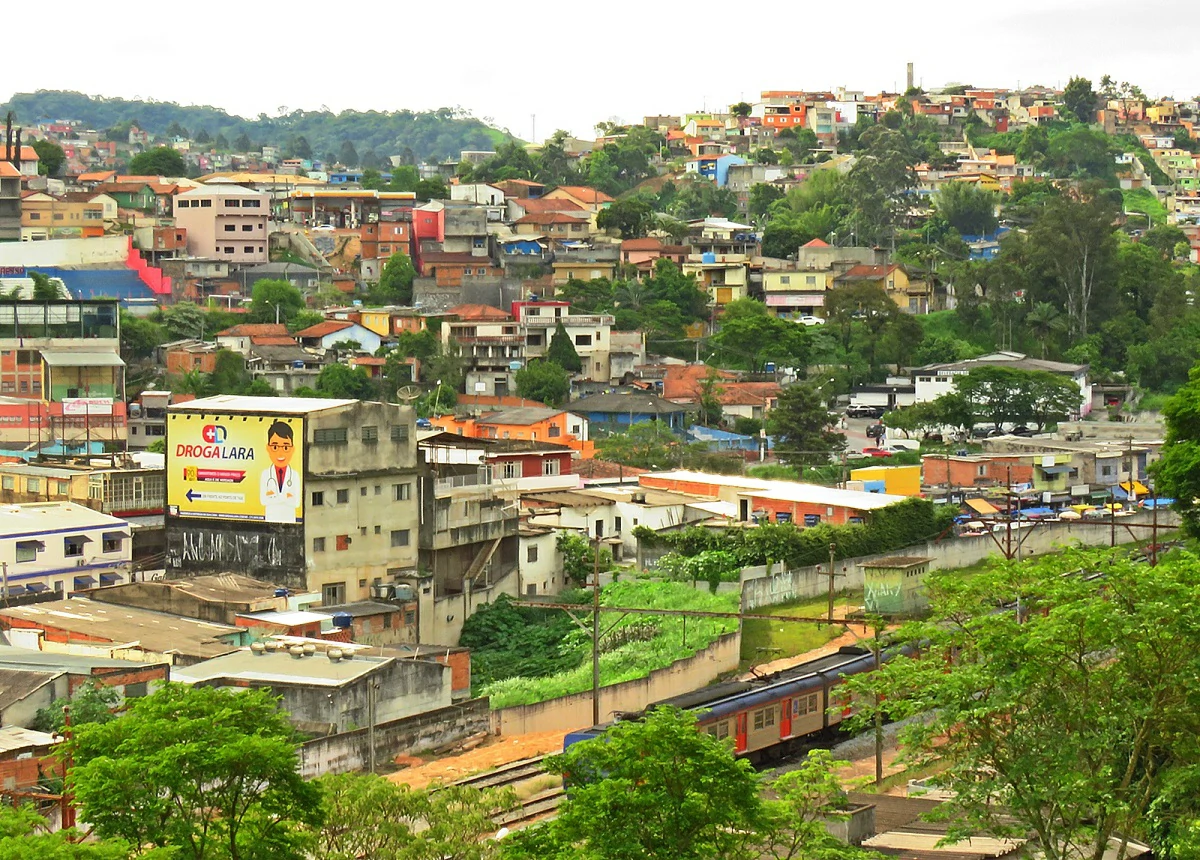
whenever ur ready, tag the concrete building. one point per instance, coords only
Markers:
(225, 222)
(540, 561)
(934, 380)
(61, 547)
(329, 687)
(28, 760)
(241, 338)
(10, 203)
(331, 508)
(491, 344)
(588, 333)
(220, 598)
(79, 625)
(896, 585)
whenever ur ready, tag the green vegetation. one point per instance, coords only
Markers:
(763, 641)
(633, 648)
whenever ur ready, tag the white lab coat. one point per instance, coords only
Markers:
(279, 503)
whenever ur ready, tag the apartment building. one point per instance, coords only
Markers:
(61, 547)
(225, 222)
(590, 334)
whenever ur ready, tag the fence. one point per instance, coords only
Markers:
(760, 589)
(573, 712)
(350, 751)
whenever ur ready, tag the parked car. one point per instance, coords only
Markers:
(904, 445)
(1021, 430)
(876, 452)
(810, 320)
(875, 431)
(859, 411)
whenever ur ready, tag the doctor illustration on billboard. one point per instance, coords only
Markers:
(279, 488)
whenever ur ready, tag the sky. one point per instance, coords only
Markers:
(538, 66)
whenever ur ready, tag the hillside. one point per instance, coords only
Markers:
(428, 135)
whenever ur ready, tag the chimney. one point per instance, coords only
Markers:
(910, 77)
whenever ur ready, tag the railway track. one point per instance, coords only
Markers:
(544, 803)
(509, 774)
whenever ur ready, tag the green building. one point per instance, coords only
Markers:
(896, 585)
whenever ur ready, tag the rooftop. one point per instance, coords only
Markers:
(521, 415)
(49, 661)
(326, 327)
(16, 684)
(104, 622)
(287, 618)
(1015, 360)
(788, 491)
(255, 330)
(640, 402)
(363, 608)
(478, 312)
(223, 587)
(17, 739)
(263, 405)
(280, 667)
(40, 517)
(500, 447)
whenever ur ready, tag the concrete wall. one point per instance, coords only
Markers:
(760, 589)
(441, 618)
(574, 712)
(349, 751)
(66, 252)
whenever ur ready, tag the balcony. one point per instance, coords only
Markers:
(454, 485)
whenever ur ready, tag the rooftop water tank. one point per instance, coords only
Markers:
(708, 257)
(341, 620)
(281, 592)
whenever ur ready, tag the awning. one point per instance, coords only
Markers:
(980, 506)
(794, 300)
(123, 533)
(85, 581)
(37, 587)
(1055, 470)
(110, 577)
(82, 359)
(1138, 487)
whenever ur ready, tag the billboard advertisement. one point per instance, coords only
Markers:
(235, 467)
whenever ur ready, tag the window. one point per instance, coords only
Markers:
(27, 550)
(400, 537)
(534, 340)
(550, 467)
(369, 434)
(554, 430)
(378, 530)
(804, 705)
(330, 436)
(233, 204)
(342, 543)
(387, 622)
(204, 204)
(720, 730)
(6, 482)
(617, 525)
(319, 544)
(251, 204)
(343, 497)
(399, 432)
(378, 490)
(531, 554)
(111, 542)
(511, 469)
(228, 249)
(764, 719)
(410, 617)
(333, 593)
(34, 485)
(401, 492)
(362, 491)
(810, 280)
(1106, 470)
(231, 228)
(583, 340)
(247, 249)
(137, 690)
(318, 499)
(73, 546)
(785, 279)
(247, 228)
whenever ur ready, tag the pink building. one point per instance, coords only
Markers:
(225, 222)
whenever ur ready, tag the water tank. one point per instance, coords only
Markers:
(341, 620)
(281, 592)
(297, 365)
(135, 410)
(258, 648)
(514, 366)
(769, 367)
(404, 592)
(708, 257)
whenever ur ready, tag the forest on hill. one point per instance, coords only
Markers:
(417, 135)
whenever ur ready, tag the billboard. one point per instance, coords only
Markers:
(235, 467)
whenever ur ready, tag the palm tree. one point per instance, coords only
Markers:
(193, 382)
(1044, 320)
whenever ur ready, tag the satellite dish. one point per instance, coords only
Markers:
(408, 393)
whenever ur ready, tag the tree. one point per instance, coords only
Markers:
(1064, 721)
(1079, 100)
(185, 320)
(44, 289)
(368, 817)
(203, 137)
(92, 702)
(50, 157)
(645, 445)
(229, 373)
(1052, 397)
(345, 383)
(1044, 321)
(750, 337)
(242, 143)
(432, 189)
(139, 337)
(880, 182)
(656, 789)
(160, 161)
(562, 352)
(708, 399)
(632, 217)
(997, 394)
(762, 196)
(741, 109)
(1163, 238)
(24, 836)
(544, 381)
(800, 424)
(404, 178)
(1177, 472)
(348, 155)
(969, 209)
(209, 772)
(579, 557)
(372, 180)
(395, 285)
(221, 144)
(273, 300)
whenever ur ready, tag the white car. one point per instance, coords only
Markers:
(810, 320)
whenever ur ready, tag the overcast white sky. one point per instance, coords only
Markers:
(575, 65)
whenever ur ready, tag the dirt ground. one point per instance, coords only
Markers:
(493, 754)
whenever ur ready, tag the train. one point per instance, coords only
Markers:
(771, 716)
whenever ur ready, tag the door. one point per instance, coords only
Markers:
(740, 739)
(785, 719)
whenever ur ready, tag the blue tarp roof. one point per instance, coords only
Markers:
(699, 431)
(1157, 503)
(100, 283)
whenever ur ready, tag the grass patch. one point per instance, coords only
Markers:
(763, 641)
(537, 785)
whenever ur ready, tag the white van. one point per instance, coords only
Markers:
(895, 445)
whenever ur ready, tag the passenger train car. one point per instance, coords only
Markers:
(770, 716)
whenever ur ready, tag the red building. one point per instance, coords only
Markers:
(524, 458)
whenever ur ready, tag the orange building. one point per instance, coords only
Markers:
(534, 423)
(978, 470)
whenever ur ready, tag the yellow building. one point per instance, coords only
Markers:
(44, 216)
(897, 480)
(724, 277)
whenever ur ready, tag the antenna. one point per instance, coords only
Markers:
(408, 393)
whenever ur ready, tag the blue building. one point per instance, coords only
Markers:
(616, 412)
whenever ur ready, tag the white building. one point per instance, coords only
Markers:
(61, 547)
(933, 380)
(591, 335)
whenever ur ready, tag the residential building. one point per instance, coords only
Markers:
(61, 373)
(643, 252)
(588, 333)
(148, 414)
(286, 367)
(893, 480)
(582, 263)
(375, 622)
(721, 236)
(321, 689)
(187, 356)
(222, 598)
(909, 293)
(333, 512)
(562, 226)
(325, 335)
(122, 489)
(126, 633)
(61, 547)
(454, 268)
(491, 344)
(240, 338)
(477, 193)
(29, 760)
(519, 207)
(45, 216)
(725, 277)
(10, 203)
(225, 222)
(528, 464)
(589, 198)
(975, 470)
(617, 412)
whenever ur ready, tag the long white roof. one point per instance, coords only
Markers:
(788, 491)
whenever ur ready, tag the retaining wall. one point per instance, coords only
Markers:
(575, 712)
(760, 589)
(349, 751)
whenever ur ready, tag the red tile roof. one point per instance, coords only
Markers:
(815, 243)
(596, 469)
(322, 329)
(273, 340)
(682, 381)
(533, 205)
(866, 273)
(647, 244)
(97, 176)
(477, 312)
(551, 218)
(8, 170)
(587, 195)
(368, 361)
(747, 393)
(254, 330)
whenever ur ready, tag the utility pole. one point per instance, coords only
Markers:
(67, 810)
(1153, 530)
(4, 580)
(832, 551)
(596, 633)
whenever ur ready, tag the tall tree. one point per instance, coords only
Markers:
(241, 144)
(348, 155)
(1075, 708)
(1044, 321)
(160, 161)
(274, 300)
(1177, 471)
(209, 772)
(880, 182)
(632, 217)
(801, 427)
(749, 337)
(970, 209)
(1079, 100)
(395, 281)
(50, 157)
(562, 352)
(544, 381)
